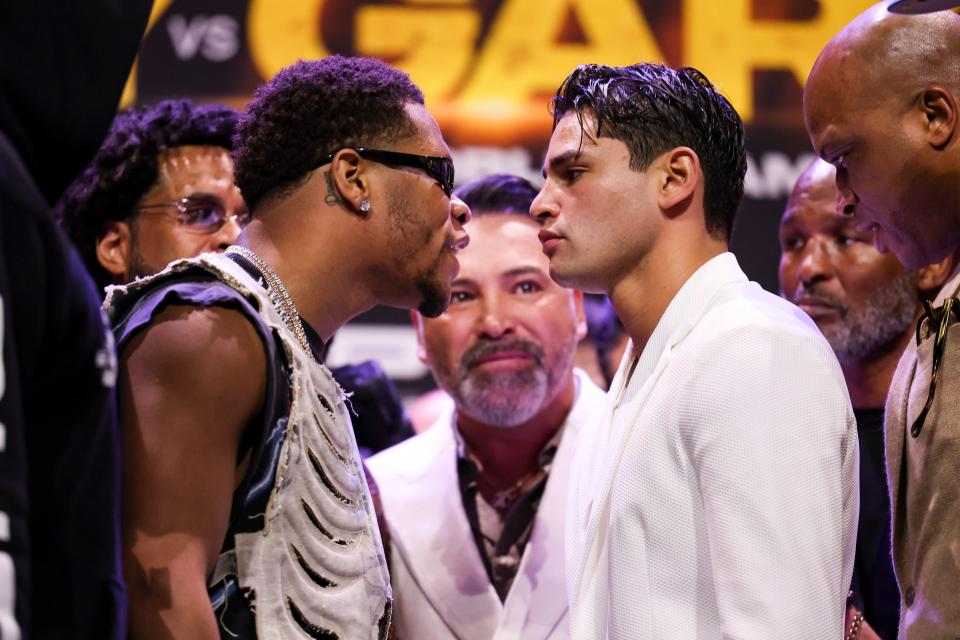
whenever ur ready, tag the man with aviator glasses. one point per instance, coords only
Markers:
(160, 188)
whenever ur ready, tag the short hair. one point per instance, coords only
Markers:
(498, 193)
(127, 165)
(652, 109)
(313, 108)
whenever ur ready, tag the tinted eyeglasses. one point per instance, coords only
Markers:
(199, 214)
(437, 167)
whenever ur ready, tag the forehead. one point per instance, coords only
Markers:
(815, 216)
(835, 103)
(427, 139)
(195, 167)
(569, 138)
(500, 242)
(815, 201)
(572, 143)
(194, 160)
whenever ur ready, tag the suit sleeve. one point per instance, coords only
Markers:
(772, 439)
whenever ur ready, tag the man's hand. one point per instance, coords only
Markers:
(189, 385)
(866, 631)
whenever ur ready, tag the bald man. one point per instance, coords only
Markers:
(881, 105)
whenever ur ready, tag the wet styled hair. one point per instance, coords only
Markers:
(652, 109)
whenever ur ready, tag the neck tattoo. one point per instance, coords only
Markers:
(278, 295)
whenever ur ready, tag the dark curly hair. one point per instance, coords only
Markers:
(498, 193)
(652, 109)
(126, 166)
(311, 109)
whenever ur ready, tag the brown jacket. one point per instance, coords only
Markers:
(924, 479)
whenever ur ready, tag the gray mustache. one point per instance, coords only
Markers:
(487, 348)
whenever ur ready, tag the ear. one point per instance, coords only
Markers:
(346, 181)
(115, 248)
(680, 176)
(933, 276)
(940, 108)
(581, 315)
(417, 321)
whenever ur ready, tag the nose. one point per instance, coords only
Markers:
(815, 264)
(226, 235)
(495, 318)
(460, 215)
(846, 199)
(543, 207)
(459, 211)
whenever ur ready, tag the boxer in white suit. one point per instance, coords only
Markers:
(717, 496)
(474, 508)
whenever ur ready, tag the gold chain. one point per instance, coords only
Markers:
(280, 297)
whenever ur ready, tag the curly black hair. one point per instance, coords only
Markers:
(311, 109)
(498, 193)
(126, 166)
(652, 109)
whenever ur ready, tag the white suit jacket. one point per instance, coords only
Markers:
(719, 497)
(441, 589)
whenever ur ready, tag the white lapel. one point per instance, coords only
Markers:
(537, 600)
(700, 293)
(434, 538)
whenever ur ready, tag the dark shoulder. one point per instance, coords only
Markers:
(201, 349)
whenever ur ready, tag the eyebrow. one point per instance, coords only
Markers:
(562, 159)
(506, 275)
(523, 271)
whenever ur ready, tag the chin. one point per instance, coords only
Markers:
(572, 278)
(434, 299)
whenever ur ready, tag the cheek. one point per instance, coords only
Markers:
(788, 276)
(445, 343)
(553, 323)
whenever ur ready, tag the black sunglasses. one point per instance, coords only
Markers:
(200, 214)
(437, 167)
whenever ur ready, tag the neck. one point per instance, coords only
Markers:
(507, 454)
(641, 297)
(318, 266)
(868, 380)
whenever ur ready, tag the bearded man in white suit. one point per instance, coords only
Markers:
(716, 497)
(474, 507)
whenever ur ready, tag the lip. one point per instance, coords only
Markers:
(550, 241)
(503, 356)
(458, 243)
(546, 235)
(815, 306)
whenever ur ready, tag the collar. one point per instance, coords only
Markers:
(685, 308)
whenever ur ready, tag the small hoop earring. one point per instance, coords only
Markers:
(365, 206)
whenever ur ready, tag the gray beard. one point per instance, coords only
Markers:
(889, 313)
(508, 398)
(503, 399)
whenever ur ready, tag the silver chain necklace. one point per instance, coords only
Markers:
(278, 294)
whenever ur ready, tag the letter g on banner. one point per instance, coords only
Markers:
(281, 33)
